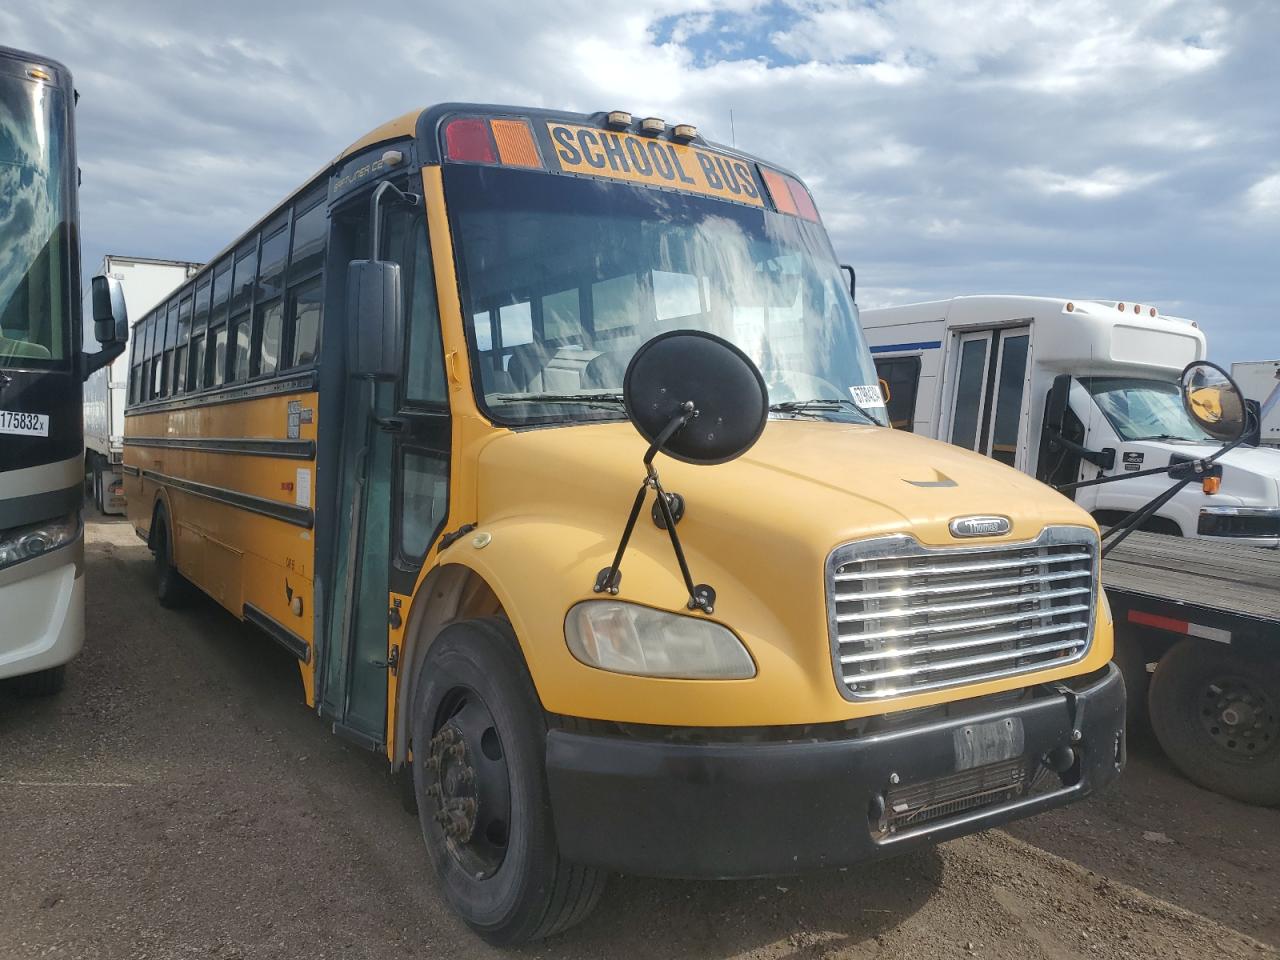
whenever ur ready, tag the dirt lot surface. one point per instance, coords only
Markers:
(177, 800)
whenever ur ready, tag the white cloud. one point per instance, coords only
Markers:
(1106, 145)
(1101, 184)
(1263, 198)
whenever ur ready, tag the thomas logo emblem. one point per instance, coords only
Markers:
(980, 526)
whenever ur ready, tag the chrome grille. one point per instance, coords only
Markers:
(905, 618)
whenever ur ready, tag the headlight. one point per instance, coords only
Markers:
(628, 638)
(23, 543)
(1239, 522)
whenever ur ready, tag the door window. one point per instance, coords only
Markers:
(1011, 380)
(424, 498)
(970, 380)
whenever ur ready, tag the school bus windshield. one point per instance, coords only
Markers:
(564, 278)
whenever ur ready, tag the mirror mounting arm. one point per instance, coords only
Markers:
(701, 596)
(375, 219)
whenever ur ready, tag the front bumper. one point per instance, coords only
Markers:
(657, 808)
(42, 611)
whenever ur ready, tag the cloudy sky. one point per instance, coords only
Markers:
(1124, 149)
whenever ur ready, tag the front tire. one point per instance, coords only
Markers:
(1216, 713)
(479, 742)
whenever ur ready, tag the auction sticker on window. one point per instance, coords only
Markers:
(865, 396)
(24, 424)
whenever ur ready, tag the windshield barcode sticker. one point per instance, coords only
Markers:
(24, 424)
(868, 397)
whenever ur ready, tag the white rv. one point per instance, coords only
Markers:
(977, 371)
(145, 282)
(1259, 379)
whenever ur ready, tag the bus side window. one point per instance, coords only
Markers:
(216, 344)
(902, 374)
(306, 291)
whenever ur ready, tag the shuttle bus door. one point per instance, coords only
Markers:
(990, 388)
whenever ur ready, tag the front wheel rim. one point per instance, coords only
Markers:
(469, 785)
(1240, 716)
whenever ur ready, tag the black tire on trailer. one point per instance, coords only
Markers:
(479, 741)
(172, 588)
(1130, 658)
(42, 683)
(1216, 713)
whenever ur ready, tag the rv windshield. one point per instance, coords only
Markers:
(564, 278)
(1144, 409)
(35, 311)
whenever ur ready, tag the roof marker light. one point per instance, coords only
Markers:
(1120, 307)
(618, 119)
(652, 126)
(515, 143)
(469, 140)
(1070, 307)
(35, 73)
(1153, 311)
(684, 131)
(392, 158)
(1137, 308)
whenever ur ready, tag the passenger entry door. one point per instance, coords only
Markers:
(990, 380)
(393, 494)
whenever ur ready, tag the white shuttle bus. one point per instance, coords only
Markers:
(977, 371)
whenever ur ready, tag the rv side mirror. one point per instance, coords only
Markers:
(375, 319)
(1055, 412)
(1213, 400)
(110, 318)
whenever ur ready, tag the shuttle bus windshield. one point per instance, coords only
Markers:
(1141, 409)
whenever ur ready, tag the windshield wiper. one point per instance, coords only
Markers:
(816, 406)
(585, 399)
(1172, 436)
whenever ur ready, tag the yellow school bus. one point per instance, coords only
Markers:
(389, 426)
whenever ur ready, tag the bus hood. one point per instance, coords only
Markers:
(811, 482)
(1250, 475)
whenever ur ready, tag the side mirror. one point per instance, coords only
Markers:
(110, 317)
(853, 281)
(375, 319)
(1213, 400)
(1055, 411)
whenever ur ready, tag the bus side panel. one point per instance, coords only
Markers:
(244, 534)
(922, 339)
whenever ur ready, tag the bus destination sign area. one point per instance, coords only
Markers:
(659, 163)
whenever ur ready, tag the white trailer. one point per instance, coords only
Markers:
(977, 371)
(145, 282)
(1258, 378)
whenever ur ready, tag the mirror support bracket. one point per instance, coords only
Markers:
(701, 596)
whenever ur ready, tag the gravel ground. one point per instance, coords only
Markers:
(177, 800)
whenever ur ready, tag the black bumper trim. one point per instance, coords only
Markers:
(655, 808)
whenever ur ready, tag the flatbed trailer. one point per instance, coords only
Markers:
(1207, 616)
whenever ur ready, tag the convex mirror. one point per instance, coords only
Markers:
(110, 318)
(725, 388)
(1213, 400)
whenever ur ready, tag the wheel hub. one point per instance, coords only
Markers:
(468, 787)
(454, 787)
(1239, 717)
